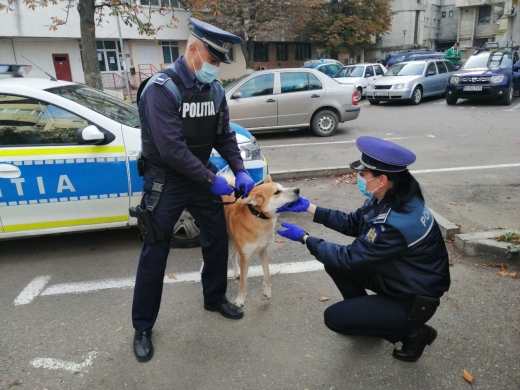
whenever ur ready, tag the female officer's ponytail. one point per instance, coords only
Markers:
(404, 188)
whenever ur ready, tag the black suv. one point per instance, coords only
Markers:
(490, 73)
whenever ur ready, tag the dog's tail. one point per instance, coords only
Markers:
(234, 257)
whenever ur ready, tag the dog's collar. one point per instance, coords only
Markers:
(257, 213)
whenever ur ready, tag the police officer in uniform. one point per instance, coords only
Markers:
(184, 114)
(399, 253)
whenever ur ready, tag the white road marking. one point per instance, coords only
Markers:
(466, 168)
(107, 284)
(514, 108)
(264, 146)
(33, 289)
(55, 364)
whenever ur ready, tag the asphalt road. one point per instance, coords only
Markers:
(71, 328)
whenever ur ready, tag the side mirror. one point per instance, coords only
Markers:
(90, 135)
(236, 95)
(430, 73)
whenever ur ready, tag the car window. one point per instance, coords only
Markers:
(450, 66)
(324, 69)
(294, 82)
(314, 82)
(100, 102)
(334, 68)
(431, 68)
(27, 121)
(399, 58)
(410, 69)
(478, 61)
(442, 67)
(258, 86)
(369, 71)
(379, 70)
(350, 71)
(500, 60)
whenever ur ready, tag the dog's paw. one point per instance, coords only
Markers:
(239, 302)
(267, 291)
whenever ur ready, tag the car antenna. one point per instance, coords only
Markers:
(52, 77)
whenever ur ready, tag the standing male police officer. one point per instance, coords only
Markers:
(184, 114)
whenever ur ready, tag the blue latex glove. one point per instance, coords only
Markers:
(301, 204)
(244, 182)
(293, 232)
(221, 186)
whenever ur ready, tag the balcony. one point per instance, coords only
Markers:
(478, 3)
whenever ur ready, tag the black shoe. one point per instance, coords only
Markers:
(143, 346)
(227, 309)
(414, 344)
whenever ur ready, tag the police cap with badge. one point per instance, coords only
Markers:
(218, 42)
(380, 155)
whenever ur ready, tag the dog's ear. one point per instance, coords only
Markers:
(268, 179)
(254, 199)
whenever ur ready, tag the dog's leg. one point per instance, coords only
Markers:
(244, 265)
(233, 256)
(264, 259)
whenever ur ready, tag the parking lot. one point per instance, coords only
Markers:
(66, 299)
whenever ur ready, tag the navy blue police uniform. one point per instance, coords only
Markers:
(182, 119)
(399, 256)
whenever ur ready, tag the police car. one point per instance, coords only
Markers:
(68, 159)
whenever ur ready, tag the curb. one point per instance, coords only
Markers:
(472, 244)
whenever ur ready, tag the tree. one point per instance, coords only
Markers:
(251, 20)
(92, 13)
(343, 25)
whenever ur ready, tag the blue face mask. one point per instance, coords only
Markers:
(362, 186)
(207, 73)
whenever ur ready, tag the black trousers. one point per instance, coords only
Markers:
(179, 193)
(361, 314)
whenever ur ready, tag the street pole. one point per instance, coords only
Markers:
(127, 84)
(404, 37)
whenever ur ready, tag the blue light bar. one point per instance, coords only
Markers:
(14, 69)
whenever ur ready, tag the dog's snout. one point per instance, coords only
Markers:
(297, 191)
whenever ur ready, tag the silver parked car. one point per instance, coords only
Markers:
(282, 99)
(411, 81)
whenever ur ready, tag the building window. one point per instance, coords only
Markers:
(444, 14)
(231, 54)
(281, 52)
(261, 52)
(108, 55)
(484, 14)
(450, 14)
(302, 51)
(170, 51)
(163, 3)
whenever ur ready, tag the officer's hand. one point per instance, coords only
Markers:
(221, 186)
(301, 204)
(244, 182)
(293, 232)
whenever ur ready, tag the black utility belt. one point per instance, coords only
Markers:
(422, 308)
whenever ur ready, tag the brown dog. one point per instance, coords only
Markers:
(251, 224)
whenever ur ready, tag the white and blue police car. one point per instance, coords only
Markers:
(68, 159)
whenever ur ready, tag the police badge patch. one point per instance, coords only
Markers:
(372, 234)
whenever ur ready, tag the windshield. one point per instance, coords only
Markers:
(100, 102)
(478, 61)
(405, 70)
(234, 82)
(350, 71)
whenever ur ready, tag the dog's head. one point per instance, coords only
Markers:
(269, 196)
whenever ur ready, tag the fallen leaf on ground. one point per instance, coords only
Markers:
(502, 267)
(172, 276)
(14, 383)
(446, 240)
(179, 303)
(279, 241)
(140, 382)
(467, 376)
(513, 275)
(119, 329)
(453, 203)
(449, 341)
(458, 224)
(320, 188)
(503, 273)
(323, 299)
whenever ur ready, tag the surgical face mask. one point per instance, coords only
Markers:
(207, 73)
(362, 185)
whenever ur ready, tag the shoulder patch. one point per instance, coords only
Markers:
(372, 234)
(161, 79)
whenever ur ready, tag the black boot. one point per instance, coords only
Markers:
(414, 343)
(143, 346)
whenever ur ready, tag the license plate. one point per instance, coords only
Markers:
(473, 88)
(381, 93)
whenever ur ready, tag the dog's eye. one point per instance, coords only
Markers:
(277, 192)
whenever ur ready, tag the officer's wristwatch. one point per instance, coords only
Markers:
(303, 236)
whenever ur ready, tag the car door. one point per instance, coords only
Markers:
(300, 94)
(369, 76)
(253, 104)
(443, 76)
(48, 182)
(516, 75)
(431, 79)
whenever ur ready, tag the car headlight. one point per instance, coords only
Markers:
(454, 80)
(370, 86)
(496, 79)
(399, 86)
(250, 150)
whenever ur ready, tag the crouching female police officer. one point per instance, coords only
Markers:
(399, 253)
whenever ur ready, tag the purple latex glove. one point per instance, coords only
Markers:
(221, 186)
(301, 204)
(244, 183)
(293, 232)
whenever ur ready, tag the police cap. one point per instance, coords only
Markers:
(218, 42)
(381, 155)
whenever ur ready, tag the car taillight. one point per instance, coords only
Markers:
(355, 98)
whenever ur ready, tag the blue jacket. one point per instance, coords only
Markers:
(404, 253)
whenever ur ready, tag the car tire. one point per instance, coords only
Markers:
(416, 96)
(508, 98)
(360, 93)
(186, 232)
(374, 102)
(324, 123)
(451, 100)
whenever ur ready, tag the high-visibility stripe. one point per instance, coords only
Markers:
(60, 150)
(58, 224)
